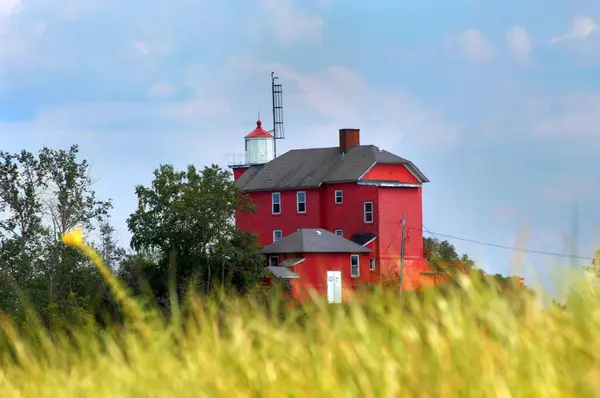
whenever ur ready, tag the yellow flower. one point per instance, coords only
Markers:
(73, 237)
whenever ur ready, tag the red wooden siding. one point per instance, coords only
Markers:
(263, 222)
(390, 172)
(313, 273)
(393, 202)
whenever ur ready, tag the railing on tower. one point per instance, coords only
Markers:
(241, 160)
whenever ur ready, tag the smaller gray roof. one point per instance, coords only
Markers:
(311, 240)
(362, 238)
(282, 272)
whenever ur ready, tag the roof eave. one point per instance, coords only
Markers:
(274, 189)
(358, 250)
(388, 183)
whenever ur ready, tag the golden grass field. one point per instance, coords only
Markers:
(473, 343)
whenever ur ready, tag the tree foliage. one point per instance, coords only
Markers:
(186, 218)
(41, 196)
(443, 258)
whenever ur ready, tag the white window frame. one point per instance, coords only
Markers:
(298, 202)
(352, 266)
(372, 264)
(335, 197)
(339, 232)
(365, 212)
(275, 233)
(271, 258)
(273, 202)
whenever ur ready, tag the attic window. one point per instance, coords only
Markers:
(354, 266)
(368, 212)
(339, 196)
(276, 203)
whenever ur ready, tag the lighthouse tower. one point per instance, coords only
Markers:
(260, 146)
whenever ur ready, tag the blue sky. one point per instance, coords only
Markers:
(497, 102)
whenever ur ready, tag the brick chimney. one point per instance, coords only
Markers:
(349, 138)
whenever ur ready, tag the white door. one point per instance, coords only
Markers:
(334, 286)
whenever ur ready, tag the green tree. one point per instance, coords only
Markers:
(41, 196)
(442, 257)
(187, 218)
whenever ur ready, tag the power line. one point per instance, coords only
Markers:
(503, 246)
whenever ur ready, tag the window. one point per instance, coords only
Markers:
(301, 202)
(274, 261)
(276, 203)
(354, 266)
(372, 264)
(339, 196)
(368, 212)
(339, 232)
(277, 235)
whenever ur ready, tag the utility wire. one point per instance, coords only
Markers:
(502, 246)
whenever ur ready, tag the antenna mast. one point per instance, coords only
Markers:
(277, 92)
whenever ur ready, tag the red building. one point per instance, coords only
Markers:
(306, 197)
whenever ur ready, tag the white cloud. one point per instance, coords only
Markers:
(578, 116)
(472, 44)
(581, 28)
(147, 48)
(9, 7)
(519, 43)
(291, 25)
(161, 89)
(345, 99)
(566, 189)
(142, 47)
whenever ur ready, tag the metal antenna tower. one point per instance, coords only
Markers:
(277, 92)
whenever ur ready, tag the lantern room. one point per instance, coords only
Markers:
(260, 146)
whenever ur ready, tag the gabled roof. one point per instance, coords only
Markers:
(309, 168)
(363, 238)
(311, 240)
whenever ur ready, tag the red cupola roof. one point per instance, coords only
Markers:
(259, 132)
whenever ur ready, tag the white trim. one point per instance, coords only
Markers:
(340, 234)
(298, 202)
(365, 173)
(277, 230)
(372, 264)
(365, 212)
(388, 184)
(411, 171)
(357, 265)
(293, 265)
(369, 242)
(341, 191)
(273, 202)
(272, 257)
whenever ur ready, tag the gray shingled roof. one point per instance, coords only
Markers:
(282, 272)
(312, 240)
(309, 168)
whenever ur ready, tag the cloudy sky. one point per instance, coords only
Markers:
(497, 102)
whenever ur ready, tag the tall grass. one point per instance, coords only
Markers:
(470, 342)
